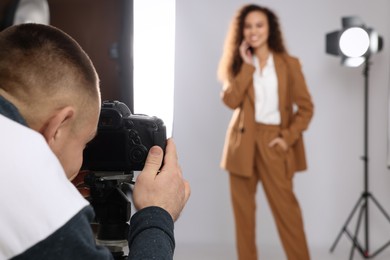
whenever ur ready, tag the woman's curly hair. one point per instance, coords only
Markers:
(231, 61)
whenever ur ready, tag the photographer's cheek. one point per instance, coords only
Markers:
(71, 154)
(71, 159)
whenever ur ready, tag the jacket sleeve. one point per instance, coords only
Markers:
(74, 240)
(233, 92)
(151, 235)
(302, 104)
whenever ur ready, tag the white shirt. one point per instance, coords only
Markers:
(266, 92)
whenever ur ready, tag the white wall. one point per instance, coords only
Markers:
(333, 183)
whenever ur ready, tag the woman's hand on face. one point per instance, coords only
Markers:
(279, 141)
(245, 52)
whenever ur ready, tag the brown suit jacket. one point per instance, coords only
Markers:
(238, 94)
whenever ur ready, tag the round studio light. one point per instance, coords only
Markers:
(354, 42)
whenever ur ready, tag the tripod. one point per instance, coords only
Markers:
(110, 199)
(366, 196)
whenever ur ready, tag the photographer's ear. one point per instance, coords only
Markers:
(58, 125)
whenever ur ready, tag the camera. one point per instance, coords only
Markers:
(123, 139)
(120, 147)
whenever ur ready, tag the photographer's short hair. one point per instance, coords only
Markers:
(42, 65)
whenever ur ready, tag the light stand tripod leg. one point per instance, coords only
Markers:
(366, 194)
(380, 249)
(363, 209)
(379, 207)
(382, 210)
(355, 241)
(344, 228)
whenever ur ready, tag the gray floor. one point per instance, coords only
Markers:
(208, 252)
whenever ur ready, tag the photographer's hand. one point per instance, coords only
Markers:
(164, 188)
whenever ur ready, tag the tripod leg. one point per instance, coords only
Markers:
(388, 219)
(343, 229)
(355, 242)
(379, 206)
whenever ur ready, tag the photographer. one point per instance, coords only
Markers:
(49, 110)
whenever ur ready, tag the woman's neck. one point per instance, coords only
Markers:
(262, 53)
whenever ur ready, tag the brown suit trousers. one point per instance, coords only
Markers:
(270, 168)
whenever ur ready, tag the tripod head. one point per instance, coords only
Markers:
(109, 196)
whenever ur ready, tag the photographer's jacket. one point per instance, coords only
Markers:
(43, 216)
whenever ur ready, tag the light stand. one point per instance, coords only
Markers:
(363, 202)
(355, 43)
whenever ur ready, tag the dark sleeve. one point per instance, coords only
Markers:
(74, 240)
(151, 234)
(151, 237)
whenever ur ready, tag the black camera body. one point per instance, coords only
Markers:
(123, 139)
(120, 147)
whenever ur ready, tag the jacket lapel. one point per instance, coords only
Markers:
(251, 93)
(281, 73)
